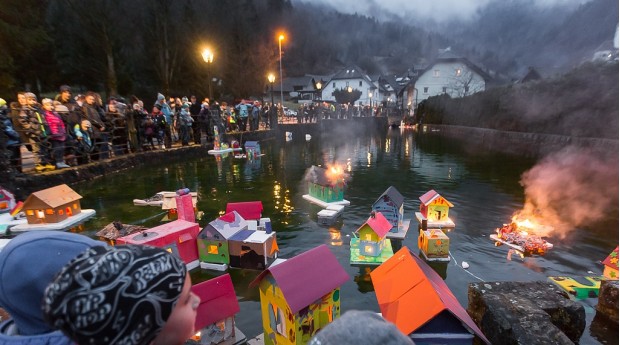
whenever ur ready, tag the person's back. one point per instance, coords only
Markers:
(24, 277)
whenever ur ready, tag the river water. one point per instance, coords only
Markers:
(484, 188)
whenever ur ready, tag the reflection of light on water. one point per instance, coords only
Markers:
(387, 145)
(449, 173)
(349, 165)
(282, 201)
(236, 171)
(335, 237)
(369, 158)
(406, 148)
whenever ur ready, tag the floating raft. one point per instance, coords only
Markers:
(222, 151)
(520, 249)
(7, 222)
(64, 225)
(357, 259)
(115, 230)
(329, 215)
(445, 224)
(324, 204)
(213, 266)
(402, 231)
(588, 289)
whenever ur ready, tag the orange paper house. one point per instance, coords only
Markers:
(611, 265)
(52, 205)
(415, 298)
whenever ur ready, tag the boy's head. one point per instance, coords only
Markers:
(47, 104)
(24, 276)
(122, 295)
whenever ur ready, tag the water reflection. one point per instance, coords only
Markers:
(362, 278)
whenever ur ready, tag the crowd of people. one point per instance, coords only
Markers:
(71, 130)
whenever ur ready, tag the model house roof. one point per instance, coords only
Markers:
(393, 194)
(250, 210)
(378, 224)
(612, 259)
(431, 196)
(306, 277)
(226, 225)
(52, 197)
(218, 301)
(411, 294)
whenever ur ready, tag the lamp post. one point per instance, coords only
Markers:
(370, 101)
(280, 39)
(271, 78)
(318, 90)
(207, 55)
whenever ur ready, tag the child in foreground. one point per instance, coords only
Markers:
(134, 295)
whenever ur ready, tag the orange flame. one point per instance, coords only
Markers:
(335, 173)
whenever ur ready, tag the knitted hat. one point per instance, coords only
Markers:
(360, 327)
(64, 88)
(160, 97)
(24, 275)
(115, 295)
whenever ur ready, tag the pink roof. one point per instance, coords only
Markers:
(306, 277)
(218, 301)
(430, 196)
(379, 224)
(249, 210)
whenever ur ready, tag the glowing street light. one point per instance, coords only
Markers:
(271, 78)
(370, 101)
(280, 39)
(207, 55)
(318, 89)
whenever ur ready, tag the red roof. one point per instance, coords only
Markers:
(379, 224)
(249, 210)
(306, 277)
(612, 259)
(430, 196)
(410, 293)
(218, 301)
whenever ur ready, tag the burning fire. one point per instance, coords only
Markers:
(521, 232)
(335, 173)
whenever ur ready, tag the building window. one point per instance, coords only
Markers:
(49, 211)
(29, 212)
(212, 249)
(426, 90)
(61, 212)
(458, 72)
(75, 206)
(436, 73)
(347, 84)
(466, 88)
(360, 83)
(334, 85)
(280, 320)
(444, 89)
(40, 214)
(368, 237)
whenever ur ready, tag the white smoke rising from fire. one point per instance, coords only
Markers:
(570, 189)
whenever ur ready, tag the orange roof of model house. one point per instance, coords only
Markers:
(52, 197)
(410, 294)
(612, 259)
(431, 196)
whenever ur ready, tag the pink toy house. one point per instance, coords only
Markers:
(249, 210)
(215, 318)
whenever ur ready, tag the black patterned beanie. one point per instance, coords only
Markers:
(115, 295)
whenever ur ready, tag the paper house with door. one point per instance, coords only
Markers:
(213, 247)
(252, 249)
(371, 245)
(413, 296)
(215, 317)
(434, 211)
(611, 265)
(169, 202)
(391, 204)
(7, 200)
(300, 296)
(249, 210)
(252, 149)
(52, 205)
(326, 186)
(434, 245)
(178, 237)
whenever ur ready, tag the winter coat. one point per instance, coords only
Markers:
(32, 122)
(8, 338)
(57, 126)
(13, 137)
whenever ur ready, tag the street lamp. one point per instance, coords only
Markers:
(280, 39)
(370, 101)
(318, 89)
(271, 78)
(207, 55)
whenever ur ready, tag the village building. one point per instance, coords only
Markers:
(350, 78)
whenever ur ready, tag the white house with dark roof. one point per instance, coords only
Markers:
(350, 77)
(449, 74)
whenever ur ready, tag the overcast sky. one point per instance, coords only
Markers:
(438, 10)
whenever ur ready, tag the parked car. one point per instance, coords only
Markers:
(289, 112)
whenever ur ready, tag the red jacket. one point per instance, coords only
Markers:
(57, 127)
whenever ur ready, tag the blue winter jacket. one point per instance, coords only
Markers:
(8, 337)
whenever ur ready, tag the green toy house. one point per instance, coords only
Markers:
(326, 186)
(213, 249)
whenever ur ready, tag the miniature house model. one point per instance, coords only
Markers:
(213, 240)
(372, 234)
(7, 200)
(325, 187)
(299, 296)
(413, 296)
(434, 245)
(215, 317)
(178, 237)
(229, 240)
(52, 205)
(434, 211)
(391, 205)
(611, 265)
(252, 149)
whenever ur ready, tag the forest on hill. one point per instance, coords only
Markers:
(146, 46)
